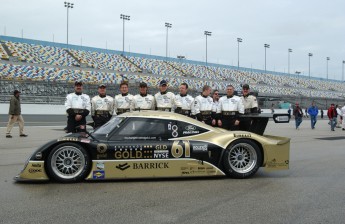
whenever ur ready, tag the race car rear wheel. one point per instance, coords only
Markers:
(68, 162)
(242, 159)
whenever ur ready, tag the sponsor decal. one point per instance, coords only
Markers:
(101, 148)
(36, 165)
(100, 165)
(200, 147)
(161, 154)
(140, 137)
(123, 167)
(98, 174)
(128, 154)
(161, 147)
(32, 170)
(70, 139)
(190, 128)
(85, 140)
(242, 135)
(149, 166)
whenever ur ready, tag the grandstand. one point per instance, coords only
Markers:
(45, 73)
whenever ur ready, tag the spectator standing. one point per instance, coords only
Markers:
(306, 112)
(313, 112)
(339, 117)
(15, 115)
(321, 113)
(343, 114)
(298, 114)
(332, 116)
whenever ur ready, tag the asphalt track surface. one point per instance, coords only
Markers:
(311, 191)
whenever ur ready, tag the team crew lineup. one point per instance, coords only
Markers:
(219, 112)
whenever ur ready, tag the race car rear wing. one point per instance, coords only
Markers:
(260, 121)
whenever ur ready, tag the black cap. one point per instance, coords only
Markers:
(245, 86)
(142, 84)
(78, 83)
(102, 85)
(16, 91)
(163, 82)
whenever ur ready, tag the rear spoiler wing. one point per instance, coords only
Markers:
(259, 121)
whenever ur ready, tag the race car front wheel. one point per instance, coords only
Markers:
(242, 159)
(68, 162)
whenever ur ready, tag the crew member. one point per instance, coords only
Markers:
(185, 99)
(166, 101)
(102, 107)
(143, 100)
(202, 106)
(228, 110)
(250, 107)
(78, 106)
(123, 101)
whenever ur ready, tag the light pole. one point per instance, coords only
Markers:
(239, 40)
(297, 72)
(207, 33)
(266, 46)
(167, 25)
(68, 5)
(124, 17)
(289, 51)
(310, 55)
(327, 59)
(342, 77)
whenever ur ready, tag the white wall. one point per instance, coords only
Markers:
(36, 109)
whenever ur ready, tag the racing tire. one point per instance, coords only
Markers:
(242, 159)
(68, 163)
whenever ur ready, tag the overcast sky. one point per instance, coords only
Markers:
(305, 26)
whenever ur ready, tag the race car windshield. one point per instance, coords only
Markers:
(109, 126)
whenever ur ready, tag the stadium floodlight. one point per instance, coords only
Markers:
(327, 59)
(310, 55)
(289, 51)
(297, 72)
(124, 17)
(207, 33)
(68, 5)
(342, 74)
(167, 25)
(266, 46)
(239, 40)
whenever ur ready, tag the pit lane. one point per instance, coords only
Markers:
(311, 191)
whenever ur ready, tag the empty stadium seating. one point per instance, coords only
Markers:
(42, 62)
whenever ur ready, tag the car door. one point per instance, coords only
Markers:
(141, 138)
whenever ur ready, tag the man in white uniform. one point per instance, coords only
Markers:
(202, 106)
(102, 107)
(229, 107)
(143, 101)
(185, 99)
(123, 101)
(78, 106)
(166, 101)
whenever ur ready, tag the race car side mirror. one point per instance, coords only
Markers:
(281, 118)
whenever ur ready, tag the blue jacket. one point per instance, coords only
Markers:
(313, 111)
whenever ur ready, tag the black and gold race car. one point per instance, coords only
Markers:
(153, 144)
